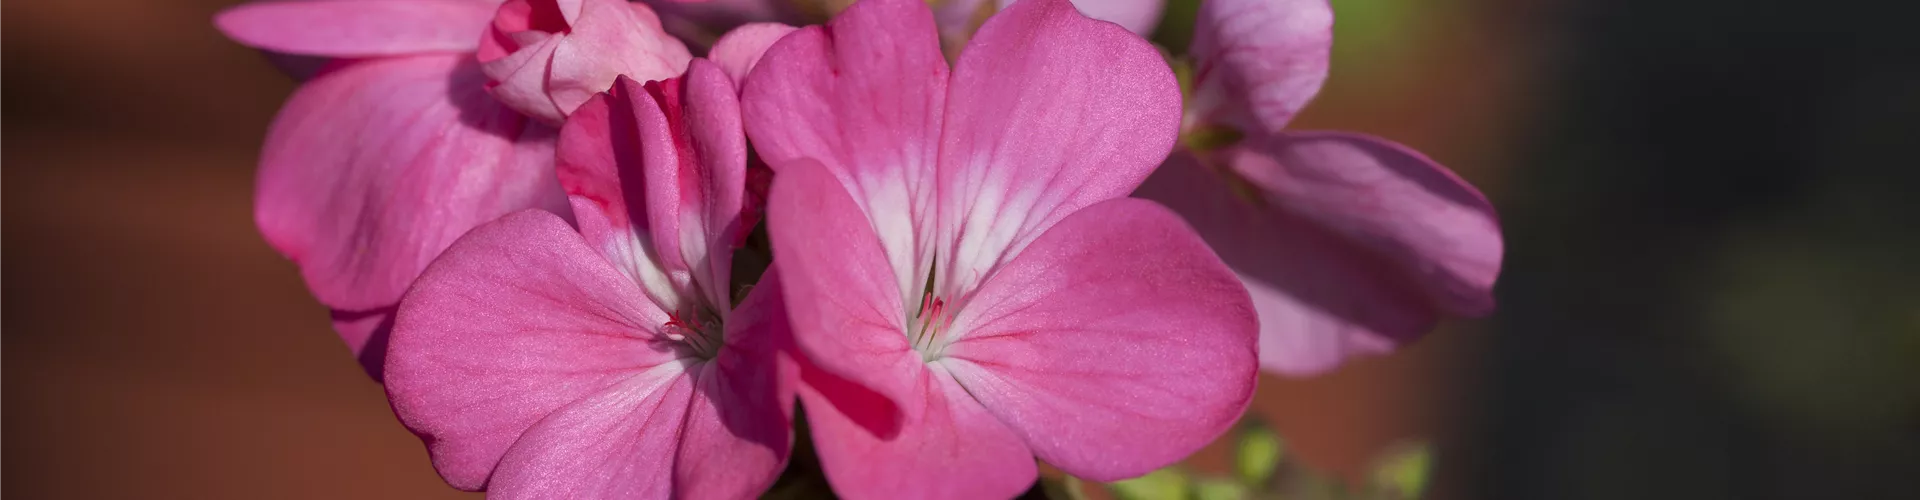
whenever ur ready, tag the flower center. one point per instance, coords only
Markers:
(701, 331)
(925, 328)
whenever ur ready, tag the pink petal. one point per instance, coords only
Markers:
(739, 50)
(1138, 16)
(674, 148)
(955, 449)
(841, 295)
(695, 193)
(1116, 344)
(863, 97)
(617, 443)
(1259, 61)
(1391, 200)
(1355, 245)
(609, 39)
(1049, 112)
(739, 429)
(519, 80)
(518, 320)
(369, 171)
(357, 28)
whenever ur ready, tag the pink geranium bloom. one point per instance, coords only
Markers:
(959, 18)
(541, 362)
(546, 57)
(962, 267)
(1350, 244)
(382, 160)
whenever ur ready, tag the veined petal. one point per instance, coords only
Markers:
(370, 170)
(1138, 16)
(520, 320)
(357, 28)
(1413, 212)
(1116, 344)
(696, 151)
(1349, 246)
(861, 96)
(739, 429)
(618, 443)
(611, 38)
(846, 314)
(601, 164)
(739, 50)
(1049, 112)
(954, 449)
(1258, 61)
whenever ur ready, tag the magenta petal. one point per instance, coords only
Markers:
(841, 295)
(611, 38)
(1356, 246)
(738, 431)
(954, 450)
(357, 28)
(1430, 224)
(1049, 112)
(617, 443)
(1258, 61)
(518, 320)
(666, 162)
(861, 96)
(696, 156)
(371, 170)
(1116, 344)
(1138, 16)
(739, 50)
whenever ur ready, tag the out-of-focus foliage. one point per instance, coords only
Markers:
(1264, 471)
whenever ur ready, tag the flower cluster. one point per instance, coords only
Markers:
(587, 264)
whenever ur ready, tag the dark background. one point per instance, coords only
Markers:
(1710, 209)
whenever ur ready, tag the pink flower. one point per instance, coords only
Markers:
(1349, 244)
(546, 57)
(540, 362)
(962, 267)
(378, 163)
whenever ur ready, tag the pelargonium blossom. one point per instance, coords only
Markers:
(540, 362)
(391, 152)
(961, 267)
(546, 57)
(1349, 244)
(394, 150)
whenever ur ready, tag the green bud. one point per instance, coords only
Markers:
(1163, 484)
(1258, 454)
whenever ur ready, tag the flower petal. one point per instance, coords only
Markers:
(369, 171)
(695, 193)
(1352, 246)
(357, 28)
(739, 50)
(518, 320)
(739, 429)
(1116, 344)
(1391, 200)
(1049, 112)
(846, 314)
(955, 449)
(1259, 61)
(611, 38)
(618, 443)
(861, 96)
(1138, 16)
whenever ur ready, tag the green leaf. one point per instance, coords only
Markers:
(1220, 489)
(1163, 484)
(1258, 454)
(1404, 470)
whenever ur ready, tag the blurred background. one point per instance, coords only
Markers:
(1710, 289)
